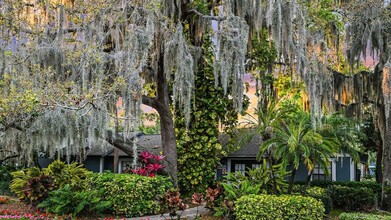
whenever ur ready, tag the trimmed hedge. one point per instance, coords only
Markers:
(131, 194)
(5, 179)
(266, 207)
(349, 198)
(321, 195)
(386, 205)
(362, 216)
(375, 187)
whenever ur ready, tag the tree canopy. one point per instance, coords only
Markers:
(64, 64)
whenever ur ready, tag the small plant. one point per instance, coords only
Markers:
(20, 178)
(4, 200)
(212, 196)
(37, 189)
(236, 186)
(171, 203)
(151, 164)
(73, 174)
(197, 199)
(272, 179)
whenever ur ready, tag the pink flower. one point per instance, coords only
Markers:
(154, 167)
(140, 171)
(145, 156)
(159, 157)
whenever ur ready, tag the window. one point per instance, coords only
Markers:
(124, 165)
(241, 168)
(319, 173)
(255, 165)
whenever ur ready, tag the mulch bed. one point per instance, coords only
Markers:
(15, 207)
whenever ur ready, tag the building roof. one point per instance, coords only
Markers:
(250, 149)
(152, 143)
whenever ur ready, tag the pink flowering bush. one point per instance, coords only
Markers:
(151, 164)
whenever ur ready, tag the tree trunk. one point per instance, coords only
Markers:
(292, 180)
(161, 103)
(169, 143)
(162, 106)
(385, 129)
(308, 180)
(116, 158)
(379, 161)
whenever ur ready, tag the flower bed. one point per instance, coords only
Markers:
(10, 214)
(4, 200)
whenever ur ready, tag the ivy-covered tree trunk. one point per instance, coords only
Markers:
(199, 149)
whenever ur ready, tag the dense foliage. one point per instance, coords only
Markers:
(149, 164)
(73, 174)
(37, 189)
(6, 178)
(321, 195)
(353, 198)
(20, 178)
(65, 201)
(375, 187)
(29, 183)
(199, 149)
(130, 194)
(266, 207)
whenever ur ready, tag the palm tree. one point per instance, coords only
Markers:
(346, 131)
(295, 141)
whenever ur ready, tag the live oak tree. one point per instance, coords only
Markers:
(70, 61)
(64, 64)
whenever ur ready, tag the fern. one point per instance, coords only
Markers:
(66, 201)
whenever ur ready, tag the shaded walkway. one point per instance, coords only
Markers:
(188, 213)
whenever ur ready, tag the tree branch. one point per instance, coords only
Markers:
(149, 101)
(126, 145)
(208, 17)
(8, 157)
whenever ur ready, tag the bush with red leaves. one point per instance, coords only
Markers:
(151, 164)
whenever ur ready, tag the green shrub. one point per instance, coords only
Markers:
(130, 194)
(375, 187)
(362, 216)
(73, 174)
(349, 198)
(266, 207)
(66, 201)
(386, 205)
(5, 179)
(20, 178)
(235, 186)
(321, 195)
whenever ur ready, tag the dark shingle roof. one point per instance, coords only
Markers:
(250, 149)
(152, 143)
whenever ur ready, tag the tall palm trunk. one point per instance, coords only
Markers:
(292, 180)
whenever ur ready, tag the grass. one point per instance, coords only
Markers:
(336, 212)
